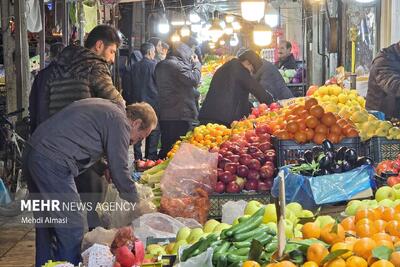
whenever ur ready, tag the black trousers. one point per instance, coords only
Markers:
(171, 131)
(151, 146)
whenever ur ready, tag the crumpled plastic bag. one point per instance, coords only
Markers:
(121, 218)
(202, 260)
(314, 191)
(232, 210)
(188, 180)
(99, 235)
(158, 225)
(98, 255)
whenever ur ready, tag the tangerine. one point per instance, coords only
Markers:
(285, 264)
(380, 225)
(363, 247)
(311, 230)
(321, 128)
(334, 138)
(393, 228)
(335, 129)
(317, 111)
(343, 245)
(319, 138)
(381, 236)
(395, 258)
(250, 264)
(365, 213)
(310, 134)
(365, 230)
(309, 103)
(328, 119)
(388, 214)
(312, 122)
(382, 263)
(316, 252)
(332, 233)
(310, 264)
(356, 261)
(338, 262)
(300, 137)
(348, 223)
(292, 126)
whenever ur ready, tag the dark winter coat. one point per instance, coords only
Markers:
(78, 74)
(271, 80)
(177, 78)
(289, 63)
(143, 85)
(384, 82)
(228, 96)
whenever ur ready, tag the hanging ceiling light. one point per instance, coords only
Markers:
(271, 16)
(177, 20)
(185, 31)
(236, 26)
(216, 30)
(163, 25)
(228, 29)
(252, 10)
(194, 17)
(222, 42)
(234, 40)
(262, 35)
(229, 18)
(175, 37)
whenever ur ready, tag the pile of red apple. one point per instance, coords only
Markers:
(390, 169)
(147, 164)
(262, 109)
(247, 162)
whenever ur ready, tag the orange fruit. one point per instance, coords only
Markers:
(321, 128)
(397, 208)
(366, 213)
(310, 102)
(393, 228)
(356, 261)
(371, 260)
(382, 263)
(397, 244)
(285, 264)
(385, 243)
(348, 223)
(310, 134)
(250, 264)
(328, 119)
(316, 252)
(381, 236)
(380, 225)
(338, 262)
(333, 137)
(365, 230)
(388, 214)
(363, 247)
(363, 221)
(311, 264)
(319, 138)
(350, 239)
(335, 129)
(311, 230)
(396, 216)
(331, 235)
(343, 245)
(300, 137)
(379, 210)
(312, 122)
(317, 111)
(395, 258)
(292, 127)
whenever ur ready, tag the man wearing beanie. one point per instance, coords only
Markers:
(227, 99)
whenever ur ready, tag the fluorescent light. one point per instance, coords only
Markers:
(163, 25)
(252, 10)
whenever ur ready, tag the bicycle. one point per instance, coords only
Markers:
(12, 170)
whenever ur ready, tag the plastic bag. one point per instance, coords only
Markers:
(190, 176)
(202, 260)
(98, 255)
(314, 191)
(156, 225)
(120, 218)
(99, 235)
(232, 210)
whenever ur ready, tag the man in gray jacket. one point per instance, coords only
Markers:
(67, 144)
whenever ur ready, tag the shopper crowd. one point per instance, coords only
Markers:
(82, 125)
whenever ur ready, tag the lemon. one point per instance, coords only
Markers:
(342, 98)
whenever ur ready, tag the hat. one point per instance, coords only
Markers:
(252, 57)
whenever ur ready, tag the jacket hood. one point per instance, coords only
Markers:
(73, 54)
(392, 51)
(182, 51)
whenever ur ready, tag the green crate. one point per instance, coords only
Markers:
(380, 148)
(218, 200)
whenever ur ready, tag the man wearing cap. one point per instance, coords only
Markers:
(228, 97)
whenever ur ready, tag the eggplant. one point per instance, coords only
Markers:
(336, 168)
(327, 145)
(340, 153)
(364, 161)
(350, 156)
(301, 161)
(331, 156)
(306, 173)
(308, 156)
(325, 163)
(317, 150)
(346, 166)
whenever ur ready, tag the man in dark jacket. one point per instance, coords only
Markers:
(384, 82)
(286, 58)
(271, 80)
(177, 78)
(159, 49)
(227, 99)
(143, 89)
(38, 111)
(68, 144)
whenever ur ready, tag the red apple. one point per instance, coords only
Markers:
(262, 128)
(253, 174)
(253, 149)
(265, 146)
(227, 154)
(235, 149)
(230, 167)
(225, 145)
(226, 177)
(245, 159)
(249, 133)
(219, 172)
(274, 106)
(235, 138)
(232, 187)
(270, 156)
(242, 171)
(262, 107)
(393, 180)
(221, 163)
(263, 186)
(267, 172)
(234, 158)
(219, 187)
(269, 163)
(254, 165)
(251, 184)
(266, 137)
(253, 139)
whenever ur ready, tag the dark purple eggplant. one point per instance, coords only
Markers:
(336, 168)
(364, 161)
(325, 163)
(327, 145)
(346, 166)
(340, 153)
(308, 156)
(350, 156)
(317, 151)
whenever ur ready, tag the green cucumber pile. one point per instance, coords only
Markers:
(232, 246)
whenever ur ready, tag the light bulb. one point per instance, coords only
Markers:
(222, 42)
(194, 17)
(175, 37)
(262, 35)
(271, 20)
(228, 29)
(252, 10)
(163, 25)
(215, 31)
(234, 40)
(236, 26)
(229, 18)
(185, 31)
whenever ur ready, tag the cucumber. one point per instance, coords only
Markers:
(222, 261)
(243, 219)
(241, 251)
(220, 250)
(263, 239)
(251, 233)
(236, 264)
(204, 245)
(216, 244)
(236, 258)
(186, 254)
(271, 247)
(250, 221)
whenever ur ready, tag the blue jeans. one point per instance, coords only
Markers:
(48, 180)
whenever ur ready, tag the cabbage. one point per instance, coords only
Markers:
(290, 73)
